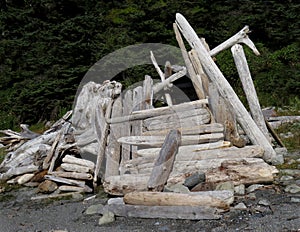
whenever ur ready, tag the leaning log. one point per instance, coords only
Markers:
(164, 162)
(220, 199)
(226, 91)
(82, 162)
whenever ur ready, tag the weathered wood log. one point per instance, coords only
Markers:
(76, 168)
(102, 134)
(195, 130)
(164, 162)
(249, 89)
(166, 212)
(53, 196)
(113, 148)
(162, 77)
(160, 86)
(214, 150)
(126, 131)
(240, 37)
(46, 162)
(73, 175)
(197, 83)
(220, 199)
(119, 185)
(274, 134)
(226, 91)
(147, 93)
(189, 161)
(82, 162)
(223, 113)
(143, 114)
(245, 171)
(79, 183)
(16, 171)
(157, 141)
(68, 188)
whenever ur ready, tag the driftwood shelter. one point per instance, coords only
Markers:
(140, 152)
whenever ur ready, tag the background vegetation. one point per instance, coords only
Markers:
(46, 46)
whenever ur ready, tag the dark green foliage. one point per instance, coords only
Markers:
(47, 46)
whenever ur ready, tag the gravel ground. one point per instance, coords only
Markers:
(19, 213)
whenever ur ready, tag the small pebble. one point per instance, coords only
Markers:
(240, 206)
(264, 202)
(107, 217)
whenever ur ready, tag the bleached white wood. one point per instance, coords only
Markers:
(226, 91)
(240, 37)
(249, 89)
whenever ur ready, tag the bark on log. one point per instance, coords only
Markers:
(157, 141)
(164, 163)
(165, 212)
(226, 91)
(220, 199)
(245, 171)
(249, 89)
(143, 114)
(195, 130)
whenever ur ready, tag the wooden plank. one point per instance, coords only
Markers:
(157, 141)
(79, 183)
(220, 199)
(143, 114)
(226, 91)
(113, 149)
(164, 212)
(197, 83)
(195, 130)
(164, 162)
(73, 175)
(249, 89)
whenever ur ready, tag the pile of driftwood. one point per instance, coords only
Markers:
(119, 139)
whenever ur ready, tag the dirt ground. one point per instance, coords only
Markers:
(19, 213)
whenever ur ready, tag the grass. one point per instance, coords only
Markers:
(292, 143)
(2, 154)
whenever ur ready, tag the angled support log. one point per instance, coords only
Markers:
(249, 89)
(240, 37)
(193, 76)
(162, 77)
(164, 163)
(226, 91)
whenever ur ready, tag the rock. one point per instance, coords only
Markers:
(240, 206)
(93, 209)
(226, 186)
(116, 201)
(194, 179)
(292, 188)
(286, 178)
(25, 178)
(205, 186)
(264, 202)
(77, 196)
(107, 217)
(254, 187)
(281, 152)
(295, 200)
(251, 196)
(239, 190)
(47, 186)
(176, 188)
(291, 172)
